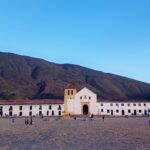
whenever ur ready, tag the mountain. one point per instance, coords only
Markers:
(23, 77)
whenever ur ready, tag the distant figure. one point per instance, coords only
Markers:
(69, 115)
(75, 118)
(103, 117)
(89, 115)
(149, 122)
(31, 121)
(27, 121)
(92, 116)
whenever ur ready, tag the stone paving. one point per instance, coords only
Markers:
(111, 134)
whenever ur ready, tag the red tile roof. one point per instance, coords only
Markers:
(69, 86)
(31, 102)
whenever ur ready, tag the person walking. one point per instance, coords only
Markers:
(31, 121)
(75, 118)
(103, 117)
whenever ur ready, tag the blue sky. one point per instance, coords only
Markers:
(107, 35)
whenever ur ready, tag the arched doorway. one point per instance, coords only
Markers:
(85, 109)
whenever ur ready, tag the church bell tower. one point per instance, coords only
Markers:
(69, 93)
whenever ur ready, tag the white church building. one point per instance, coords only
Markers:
(84, 102)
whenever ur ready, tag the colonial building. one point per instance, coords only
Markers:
(31, 108)
(83, 102)
(86, 102)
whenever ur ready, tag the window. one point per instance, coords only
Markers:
(10, 108)
(139, 104)
(59, 113)
(20, 107)
(71, 92)
(144, 104)
(102, 110)
(102, 104)
(30, 107)
(85, 97)
(145, 112)
(10, 113)
(149, 110)
(59, 107)
(117, 104)
(47, 113)
(129, 111)
(108, 111)
(128, 104)
(40, 107)
(134, 104)
(68, 92)
(20, 114)
(122, 104)
(123, 112)
(89, 97)
(50, 107)
(1, 110)
(111, 104)
(40, 113)
(80, 97)
(117, 111)
(53, 113)
(135, 112)
(140, 111)
(30, 113)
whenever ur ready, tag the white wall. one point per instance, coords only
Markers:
(35, 109)
(105, 106)
(75, 105)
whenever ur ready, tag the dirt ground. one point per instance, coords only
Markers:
(110, 134)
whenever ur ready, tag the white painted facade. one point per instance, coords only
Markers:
(123, 108)
(32, 110)
(83, 97)
(87, 97)
(84, 102)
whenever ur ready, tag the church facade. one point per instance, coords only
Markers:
(84, 102)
